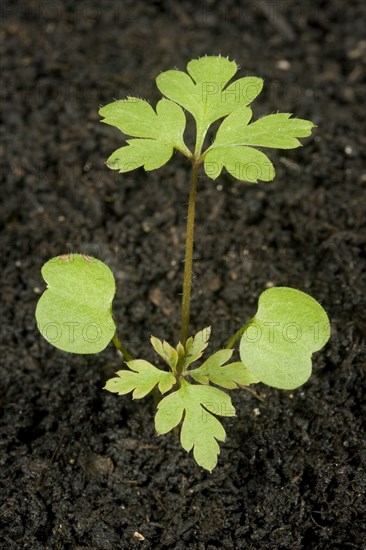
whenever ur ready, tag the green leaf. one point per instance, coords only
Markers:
(278, 130)
(161, 132)
(195, 346)
(200, 429)
(235, 138)
(180, 350)
(141, 379)
(243, 163)
(230, 376)
(277, 344)
(202, 91)
(74, 314)
(166, 352)
(149, 153)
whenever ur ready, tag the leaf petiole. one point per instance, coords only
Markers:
(118, 344)
(231, 343)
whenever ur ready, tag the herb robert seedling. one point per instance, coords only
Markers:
(75, 312)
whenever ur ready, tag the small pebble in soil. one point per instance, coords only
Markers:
(215, 284)
(283, 65)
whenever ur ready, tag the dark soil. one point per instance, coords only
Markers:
(82, 468)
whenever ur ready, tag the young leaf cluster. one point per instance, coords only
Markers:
(194, 406)
(274, 349)
(206, 93)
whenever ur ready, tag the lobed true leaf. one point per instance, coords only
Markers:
(201, 430)
(141, 379)
(235, 139)
(161, 132)
(229, 376)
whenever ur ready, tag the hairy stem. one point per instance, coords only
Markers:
(126, 354)
(188, 260)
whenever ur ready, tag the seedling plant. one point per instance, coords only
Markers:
(275, 347)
